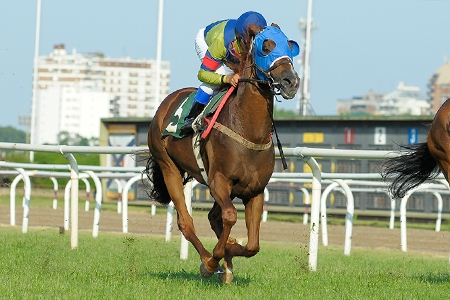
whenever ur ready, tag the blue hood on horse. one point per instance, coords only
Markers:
(282, 48)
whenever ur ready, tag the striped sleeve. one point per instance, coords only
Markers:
(209, 63)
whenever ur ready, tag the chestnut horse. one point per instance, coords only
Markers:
(238, 163)
(421, 161)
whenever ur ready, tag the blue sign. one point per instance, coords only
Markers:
(413, 136)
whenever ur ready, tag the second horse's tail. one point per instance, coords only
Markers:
(409, 170)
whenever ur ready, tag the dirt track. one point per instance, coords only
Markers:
(427, 241)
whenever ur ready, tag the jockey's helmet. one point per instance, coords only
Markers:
(248, 18)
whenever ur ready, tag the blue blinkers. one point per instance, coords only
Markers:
(282, 49)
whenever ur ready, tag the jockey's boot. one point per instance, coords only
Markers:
(196, 109)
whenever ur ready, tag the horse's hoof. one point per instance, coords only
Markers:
(231, 240)
(225, 275)
(204, 271)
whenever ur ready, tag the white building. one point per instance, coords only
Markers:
(74, 91)
(359, 105)
(405, 100)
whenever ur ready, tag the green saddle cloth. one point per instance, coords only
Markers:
(180, 113)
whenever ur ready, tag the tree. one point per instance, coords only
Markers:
(64, 138)
(282, 113)
(80, 141)
(10, 134)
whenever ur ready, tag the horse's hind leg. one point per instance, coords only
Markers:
(216, 222)
(174, 183)
(215, 219)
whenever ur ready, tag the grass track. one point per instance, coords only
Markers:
(41, 265)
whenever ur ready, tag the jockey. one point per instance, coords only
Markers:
(216, 44)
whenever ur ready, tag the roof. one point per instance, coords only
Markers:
(443, 74)
(406, 95)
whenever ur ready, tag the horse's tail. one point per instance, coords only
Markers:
(409, 170)
(154, 174)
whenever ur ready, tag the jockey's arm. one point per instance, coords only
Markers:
(214, 57)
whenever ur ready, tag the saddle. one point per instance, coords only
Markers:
(179, 114)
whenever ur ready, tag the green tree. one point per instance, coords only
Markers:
(10, 134)
(64, 138)
(283, 113)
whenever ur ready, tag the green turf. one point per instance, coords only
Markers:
(41, 265)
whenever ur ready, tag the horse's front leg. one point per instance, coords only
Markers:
(220, 188)
(253, 212)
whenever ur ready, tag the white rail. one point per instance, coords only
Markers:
(305, 153)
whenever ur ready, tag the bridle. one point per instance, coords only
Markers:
(275, 87)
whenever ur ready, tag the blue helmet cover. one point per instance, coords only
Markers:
(282, 48)
(247, 18)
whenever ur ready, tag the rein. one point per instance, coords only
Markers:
(272, 85)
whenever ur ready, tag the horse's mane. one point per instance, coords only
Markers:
(246, 44)
(245, 48)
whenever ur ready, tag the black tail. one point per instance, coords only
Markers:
(154, 174)
(409, 170)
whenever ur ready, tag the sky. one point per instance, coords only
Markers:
(357, 46)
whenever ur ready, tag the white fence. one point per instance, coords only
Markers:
(306, 154)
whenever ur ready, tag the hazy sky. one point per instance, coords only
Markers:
(359, 45)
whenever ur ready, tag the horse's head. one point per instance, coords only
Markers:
(273, 56)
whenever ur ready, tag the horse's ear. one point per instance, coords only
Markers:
(275, 25)
(253, 30)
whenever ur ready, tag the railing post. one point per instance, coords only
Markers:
(67, 205)
(55, 192)
(169, 221)
(26, 202)
(12, 199)
(125, 202)
(98, 202)
(74, 175)
(315, 207)
(348, 216)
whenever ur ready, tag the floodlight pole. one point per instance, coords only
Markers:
(35, 74)
(158, 52)
(304, 93)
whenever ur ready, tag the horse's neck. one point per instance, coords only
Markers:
(253, 112)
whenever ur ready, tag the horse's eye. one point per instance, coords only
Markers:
(266, 48)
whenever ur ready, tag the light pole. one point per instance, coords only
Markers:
(35, 72)
(158, 52)
(304, 105)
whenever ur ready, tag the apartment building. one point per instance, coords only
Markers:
(439, 86)
(74, 91)
(404, 100)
